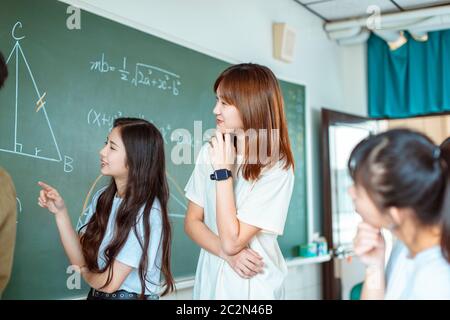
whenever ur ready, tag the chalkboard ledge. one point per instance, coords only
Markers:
(184, 282)
(298, 261)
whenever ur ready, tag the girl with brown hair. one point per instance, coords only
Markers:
(239, 195)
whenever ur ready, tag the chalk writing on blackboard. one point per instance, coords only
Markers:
(19, 208)
(18, 143)
(19, 204)
(143, 75)
(100, 119)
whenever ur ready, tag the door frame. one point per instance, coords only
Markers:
(331, 288)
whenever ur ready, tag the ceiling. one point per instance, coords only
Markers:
(335, 10)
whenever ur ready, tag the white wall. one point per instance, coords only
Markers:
(241, 31)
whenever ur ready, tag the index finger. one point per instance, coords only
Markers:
(45, 186)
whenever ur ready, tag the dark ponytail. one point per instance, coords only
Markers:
(445, 209)
(405, 169)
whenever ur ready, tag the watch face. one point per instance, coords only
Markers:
(221, 174)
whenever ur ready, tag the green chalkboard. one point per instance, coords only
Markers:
(64, 91)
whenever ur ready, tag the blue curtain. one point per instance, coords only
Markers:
(412, 80)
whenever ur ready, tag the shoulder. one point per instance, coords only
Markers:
(432, 286)
(203, 161)
(278, 171)
(203, 155)
(7, 199)
(274, 185)
(93, 204)
(4, 176)
(3, 172)
(98, 193)
(6, 181)
(435, 272)
(89, 211)
(155, 214)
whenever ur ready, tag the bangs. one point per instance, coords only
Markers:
(238, 84)
(230, 84)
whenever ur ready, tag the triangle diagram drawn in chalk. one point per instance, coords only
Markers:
(29, 131)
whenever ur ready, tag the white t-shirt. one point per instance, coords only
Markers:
(424, 277)
(131, 252)
(263, 204)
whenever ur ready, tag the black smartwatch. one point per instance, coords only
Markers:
(221, 174)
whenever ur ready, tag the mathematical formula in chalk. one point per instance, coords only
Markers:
(143, 75)
(103, 120)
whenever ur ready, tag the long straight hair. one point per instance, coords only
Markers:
(144, 147)
(255, 92)
(405, 169)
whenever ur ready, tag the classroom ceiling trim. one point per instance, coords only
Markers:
(336, 10)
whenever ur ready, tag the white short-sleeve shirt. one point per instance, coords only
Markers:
(131, 252)
(424, 277)
(263, 204)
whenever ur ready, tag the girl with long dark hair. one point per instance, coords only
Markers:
(123, 245)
